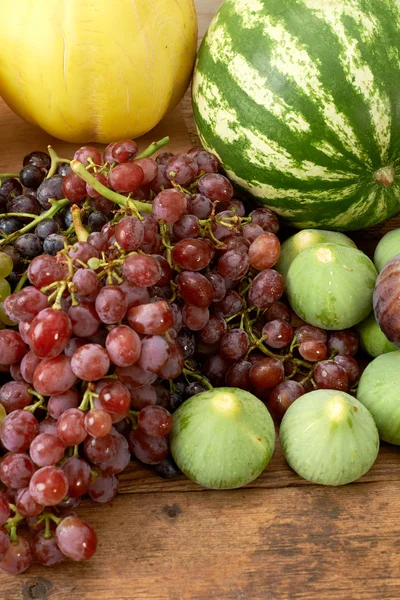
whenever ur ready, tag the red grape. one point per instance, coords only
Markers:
(90, 362)
(44, 270)
(143, 396)
(194, 317)
(215, 187)
(28, 303)
(282, 396)
(192, 254)
(115, 397)
(175, 363)
(136, 377)
(234, 344)
(148, 449)
(85, 281)
(238, 375)
(267, 373)
(266, 219)
(28, 366)
(48, 486)
(350, 365)
(169, 206)
(310, 332)
(14, 395)
(151, 319)
(181, 168)
(46, 550)
(5, 510)
(104, 488)
(234, 264)
(126, 177)
(154, 353)
(74, 188)
(277, 334)
(16, 470)
(26, 505)
(142, 271)
(18, 430)
(331, 376)
(46, 449)
(18, 558)
(12, 347)
(54, 376)
(123, 346)
(86, 152)
(187, 226)
(121, 151)
(84, 319)
(264, 252)
(59, 403)
(111, 304)
(71, 427)
(149, 168)
(76, 538)
(78, 474)
(343, 342)
(129, 233)
(313, 350)
(98, 422)
(155, 421)
(266, 288)
(49, 333)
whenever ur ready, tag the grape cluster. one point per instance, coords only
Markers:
(136, 283)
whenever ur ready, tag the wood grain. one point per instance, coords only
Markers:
(278, 539)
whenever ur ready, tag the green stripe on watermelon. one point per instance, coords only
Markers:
(310, 153)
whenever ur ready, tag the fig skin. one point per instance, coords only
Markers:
(222, 438)
(386, 300)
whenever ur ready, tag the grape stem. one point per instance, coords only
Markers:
(12, 524)
(4, 175)
(79, 169)
(150, 150)
(21, 282)
(87, 399)
(47, 517)
(55, 161)
(205, 382)
(26, 215)
(81, 233)
(56, 205)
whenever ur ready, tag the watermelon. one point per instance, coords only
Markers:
(300, 102)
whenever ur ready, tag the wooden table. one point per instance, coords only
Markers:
(279, 538)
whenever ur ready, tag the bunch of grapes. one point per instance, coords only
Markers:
(136, 283)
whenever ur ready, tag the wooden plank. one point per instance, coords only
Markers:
(280, 539)
(18, 138)
(138, 479)
(289, 544)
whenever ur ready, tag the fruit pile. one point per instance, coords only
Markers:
(128, 284)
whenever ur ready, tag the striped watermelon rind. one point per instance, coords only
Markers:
(300, 102)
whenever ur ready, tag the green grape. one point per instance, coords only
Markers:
(3, 317)
(6, 265)
(5, 289)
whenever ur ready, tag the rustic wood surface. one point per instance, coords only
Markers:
(280, 538)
